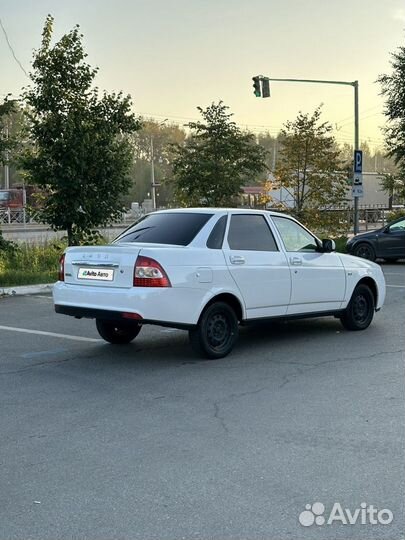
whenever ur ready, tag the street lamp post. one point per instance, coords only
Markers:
(152, 168)
(355, 85)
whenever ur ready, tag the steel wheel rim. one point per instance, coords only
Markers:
(218, 331)
(361, 308)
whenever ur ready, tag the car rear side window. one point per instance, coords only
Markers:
(250, 232)
(217, 234)
(177, 228)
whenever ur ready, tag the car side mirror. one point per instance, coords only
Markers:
(328, 245)
(386, 230)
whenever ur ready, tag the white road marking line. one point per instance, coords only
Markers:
(393, 274)
(397, 286)
(51, 334)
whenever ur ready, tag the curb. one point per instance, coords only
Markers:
(26, 289)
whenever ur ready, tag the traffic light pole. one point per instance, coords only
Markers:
(355, 85)
(356, 147)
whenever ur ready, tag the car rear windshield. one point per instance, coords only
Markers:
(178, 228)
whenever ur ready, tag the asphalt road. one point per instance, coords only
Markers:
(147, 442)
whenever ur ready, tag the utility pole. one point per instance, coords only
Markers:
(356, 147)
(6, 167)
(355, 85)
(152, 168)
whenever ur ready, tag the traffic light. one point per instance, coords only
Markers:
(256, 86)
(265, 87)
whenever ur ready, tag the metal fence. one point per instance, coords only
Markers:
(13, 215)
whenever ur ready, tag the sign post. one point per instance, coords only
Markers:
(357, 188)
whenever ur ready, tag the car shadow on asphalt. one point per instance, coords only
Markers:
(173, 349)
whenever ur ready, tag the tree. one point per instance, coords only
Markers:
(310, 169)
(216, 160)
(393, 89)
(376, 161)
(164, 137)
(394, 185)
(7, 143)
(13, 135)
(81, 155)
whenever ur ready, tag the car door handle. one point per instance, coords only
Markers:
(296, 261)
(237, 259)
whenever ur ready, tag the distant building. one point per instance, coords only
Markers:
(373, 194)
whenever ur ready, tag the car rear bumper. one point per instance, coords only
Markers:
(171, 306)
(107, 315)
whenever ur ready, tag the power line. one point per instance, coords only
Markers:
(258, 128)
(11, 49)
(352, 115)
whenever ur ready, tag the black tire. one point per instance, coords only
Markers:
(216, 332)
(365, 251)
(118, 332)
(360, 311)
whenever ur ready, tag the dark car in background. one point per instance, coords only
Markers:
(386, 243)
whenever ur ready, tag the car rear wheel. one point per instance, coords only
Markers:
(360, 311)
(118, 332)
(365, 251)
(216, 332)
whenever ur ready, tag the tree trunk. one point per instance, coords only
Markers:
(70, 235)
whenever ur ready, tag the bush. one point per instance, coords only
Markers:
(395, 214)
(5, 245)
(341, 244)
(28, 265)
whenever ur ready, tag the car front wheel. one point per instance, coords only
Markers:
(118, 332)
(365, 251)
(360, 310)
(216, 332)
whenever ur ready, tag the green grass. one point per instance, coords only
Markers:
(30, 265)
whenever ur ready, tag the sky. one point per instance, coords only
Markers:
(175, 55)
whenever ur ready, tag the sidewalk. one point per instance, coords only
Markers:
(23, 290)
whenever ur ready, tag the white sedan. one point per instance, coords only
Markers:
(207, 270)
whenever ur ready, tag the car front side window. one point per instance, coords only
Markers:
(294, 236)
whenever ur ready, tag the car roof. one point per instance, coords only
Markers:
(221, 211)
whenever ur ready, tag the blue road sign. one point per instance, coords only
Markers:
(358, 161)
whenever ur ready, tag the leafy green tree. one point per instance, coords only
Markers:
(7, 140)
(7, 143)
(216, 160)
(13, 122)
(164, 136)
(393, 89)
(82, 153)
(394, 185)
(373, 161)
(310, 169)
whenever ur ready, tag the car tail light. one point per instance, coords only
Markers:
(61, 273)
(149, 273)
